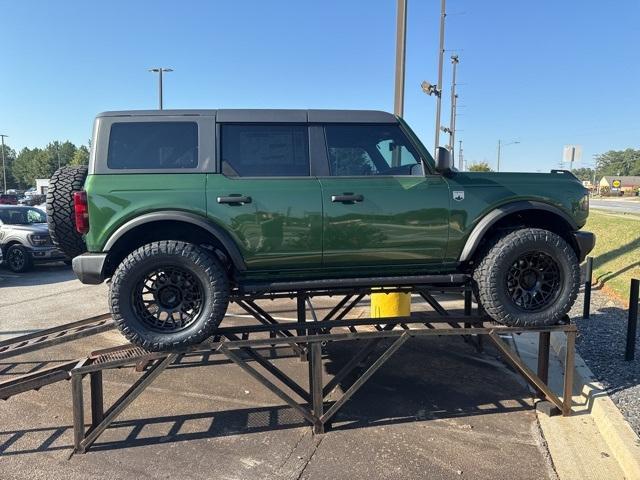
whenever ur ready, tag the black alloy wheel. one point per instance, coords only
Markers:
(168, 299)
(18, 259)
(533, 281)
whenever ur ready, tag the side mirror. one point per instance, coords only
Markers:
(443, 160)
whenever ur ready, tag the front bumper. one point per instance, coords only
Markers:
(88, 267)
(585, 242)
(46, 254)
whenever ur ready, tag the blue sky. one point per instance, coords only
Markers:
(546, 73)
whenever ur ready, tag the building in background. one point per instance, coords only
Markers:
(619, 185)
(42, 185)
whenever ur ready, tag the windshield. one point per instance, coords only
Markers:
(22, 216)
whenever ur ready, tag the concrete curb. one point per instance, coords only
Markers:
(617, 433)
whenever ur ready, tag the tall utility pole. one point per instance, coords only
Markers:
(454, 105)
(160, 71)
(401, 40)
(443, 14)
(4, 167)
(58, 153)
(499, 149)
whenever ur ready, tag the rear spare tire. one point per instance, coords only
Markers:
(60, 215)
(168, 295)
(528, 278)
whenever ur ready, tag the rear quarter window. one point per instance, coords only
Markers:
(153, 145)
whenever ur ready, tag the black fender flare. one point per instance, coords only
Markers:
(176, 215)
(483, 226)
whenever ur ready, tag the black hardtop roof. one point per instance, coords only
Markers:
(268, 115)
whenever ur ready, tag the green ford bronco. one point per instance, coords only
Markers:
(182, 208)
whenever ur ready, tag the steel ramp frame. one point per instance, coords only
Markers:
(239, 345)
(306, 337)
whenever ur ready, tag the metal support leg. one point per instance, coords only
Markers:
(77, 398)
(526, 372)
(315, 383)
(97, 398)
(268, 384)
(568, 373)
(301, 309)
(467, 301)
(123, 402)
(543, 358)
(365, 376)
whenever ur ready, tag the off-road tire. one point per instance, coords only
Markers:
(60, 216)
(27, 260)
(199, 263)
(491, 274)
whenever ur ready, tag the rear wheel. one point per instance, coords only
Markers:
(528, 278)
(168, 295)
(18, 259)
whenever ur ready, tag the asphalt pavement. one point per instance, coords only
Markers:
(438, 409)
(622, 206)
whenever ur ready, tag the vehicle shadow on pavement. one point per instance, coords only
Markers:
(436, 379)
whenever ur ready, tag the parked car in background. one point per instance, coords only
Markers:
(24, 238)
(32, 200)
(8, 199)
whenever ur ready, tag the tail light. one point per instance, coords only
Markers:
(81, 211)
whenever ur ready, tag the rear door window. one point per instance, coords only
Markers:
(264, 150)
(153, 145)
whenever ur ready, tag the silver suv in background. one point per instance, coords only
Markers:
(24, 238)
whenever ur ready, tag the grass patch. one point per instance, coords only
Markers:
(616, 256)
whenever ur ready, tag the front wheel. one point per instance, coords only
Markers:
(168, 295)
(18, 259)
(528, 278)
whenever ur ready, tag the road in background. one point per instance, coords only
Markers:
(623, 206)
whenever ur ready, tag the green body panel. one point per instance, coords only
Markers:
(401, 221)
(282, 226)
(116, 199)
(404, 224)
(486, 191)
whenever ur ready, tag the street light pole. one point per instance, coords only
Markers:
(499, 148)
(401, 40)
(160, 71)
(454, 100)
(438, 92)
(4, 167)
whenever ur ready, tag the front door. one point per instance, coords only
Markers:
(266, 197)
(379, 207)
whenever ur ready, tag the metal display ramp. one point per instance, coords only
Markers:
(374, 341)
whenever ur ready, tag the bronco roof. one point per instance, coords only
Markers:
(259, 115)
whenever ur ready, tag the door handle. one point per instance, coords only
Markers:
(234, 199)
(347, 198)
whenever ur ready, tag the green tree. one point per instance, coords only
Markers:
(480, 167)
(42, 162)
(583, 173)
(9, 158)
(619, 162)
(81, 157)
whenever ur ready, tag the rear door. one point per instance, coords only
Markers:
(264, 194)
(379, 206)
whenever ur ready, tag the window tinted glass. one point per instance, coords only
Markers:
(22, 216)
(357, 150)
(264, 150)
(153, 145)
